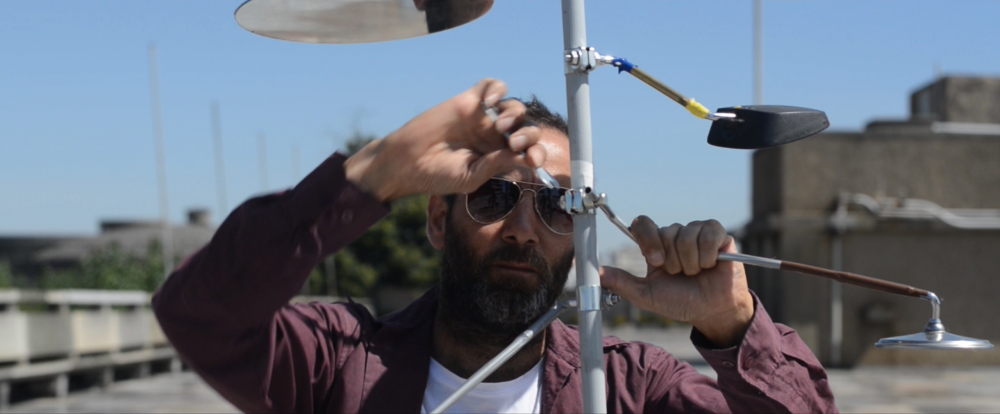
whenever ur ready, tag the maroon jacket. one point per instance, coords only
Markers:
(225, 310)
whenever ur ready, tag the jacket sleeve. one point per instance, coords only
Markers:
(225, 308)
(771, 371)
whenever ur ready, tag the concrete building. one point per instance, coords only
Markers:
(28, 256)
(913, 201)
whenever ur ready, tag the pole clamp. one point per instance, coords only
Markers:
(585, 60)
(593, 298)
(584, 200)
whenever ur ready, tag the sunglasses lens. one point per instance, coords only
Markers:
(493, 200)
(547, 203)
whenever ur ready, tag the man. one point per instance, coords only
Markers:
(506, 252)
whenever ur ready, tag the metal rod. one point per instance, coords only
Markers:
(660, 86)
(584, 226)
(166, 239)
(842, 277)
(502, 357)
(836, 300)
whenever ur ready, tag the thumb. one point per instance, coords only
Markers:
(491, 164)
(621, 282)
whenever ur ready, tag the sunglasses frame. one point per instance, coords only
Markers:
(520, 194)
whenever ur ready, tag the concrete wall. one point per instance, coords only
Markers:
(795, 190)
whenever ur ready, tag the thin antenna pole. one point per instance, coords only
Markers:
(220, 170)
(588, 282)
(262, 160)
(166, 239)
(758, 52)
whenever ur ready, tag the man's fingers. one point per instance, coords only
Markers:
(672, 262)
(510, 116)
(687, 248)
(535, 156)
(487, 166)
(490, 91)
(710, 239)
(646, 235)
(622, 283)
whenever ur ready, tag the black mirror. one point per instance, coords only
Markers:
(764, 126)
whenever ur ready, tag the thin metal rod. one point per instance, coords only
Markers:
(166, 239)
(502, 357)
(836, 301)
(842, 277)
(584, 226)
(659, 86)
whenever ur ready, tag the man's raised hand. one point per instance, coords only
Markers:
(684, 280)
(453, 147)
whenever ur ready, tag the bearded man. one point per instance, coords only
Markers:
(506, 252)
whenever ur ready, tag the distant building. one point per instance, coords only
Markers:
(29, 256)
(919, 204)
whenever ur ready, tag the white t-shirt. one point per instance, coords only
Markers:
(520, 395)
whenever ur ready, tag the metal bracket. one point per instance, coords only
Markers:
(585, 60)
(583, 200)
(592, 298)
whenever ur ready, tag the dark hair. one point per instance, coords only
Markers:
(538, 113)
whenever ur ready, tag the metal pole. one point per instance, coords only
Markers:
(836, 300)
(839, 224)
(758, 52)
(166, 239)
(584, 225)
(220, 171)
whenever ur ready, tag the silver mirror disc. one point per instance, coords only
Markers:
(355, 21)
(933, 340)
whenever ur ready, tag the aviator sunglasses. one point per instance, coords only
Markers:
(496, 199)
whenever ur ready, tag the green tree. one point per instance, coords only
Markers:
(111, 268)
(6, 276)
(395, 251)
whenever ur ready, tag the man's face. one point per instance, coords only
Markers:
(502, 276)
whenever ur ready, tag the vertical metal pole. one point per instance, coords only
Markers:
(584, 226)
(758, 52)
(839, 223)
(166, 239)
(220, 170)
(836, 300)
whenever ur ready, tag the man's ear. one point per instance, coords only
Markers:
(437, 218)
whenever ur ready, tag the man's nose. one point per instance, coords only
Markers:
(521, 225)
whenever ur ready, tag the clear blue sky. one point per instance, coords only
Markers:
(76, 137)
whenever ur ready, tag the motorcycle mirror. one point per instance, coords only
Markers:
(765, 126)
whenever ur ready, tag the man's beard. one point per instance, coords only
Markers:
(479, 310)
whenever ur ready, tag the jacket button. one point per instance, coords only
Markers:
(347, 216)
(727, 364)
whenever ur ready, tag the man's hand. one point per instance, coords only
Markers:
(451, 148)
(684, 282)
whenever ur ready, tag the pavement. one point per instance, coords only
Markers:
(859, 390)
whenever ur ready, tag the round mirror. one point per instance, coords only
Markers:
(355, 21)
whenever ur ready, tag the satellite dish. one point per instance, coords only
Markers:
(355, 21)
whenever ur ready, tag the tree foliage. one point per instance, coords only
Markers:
(6, 276)
(395, 251)
(111, 268)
